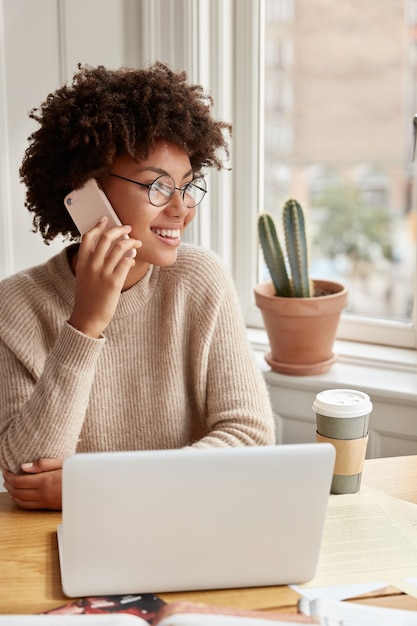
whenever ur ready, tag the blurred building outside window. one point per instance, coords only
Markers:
(340, 95)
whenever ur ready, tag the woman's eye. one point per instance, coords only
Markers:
(162, 188)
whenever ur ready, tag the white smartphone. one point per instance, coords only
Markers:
(88, 205)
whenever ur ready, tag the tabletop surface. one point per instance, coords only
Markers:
(29, 567)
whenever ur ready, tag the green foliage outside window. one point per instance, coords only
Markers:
(348, 226)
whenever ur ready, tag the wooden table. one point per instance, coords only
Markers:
(29, 568)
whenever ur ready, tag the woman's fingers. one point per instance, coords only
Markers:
(103, 265)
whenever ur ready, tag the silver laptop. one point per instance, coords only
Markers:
(176, 520)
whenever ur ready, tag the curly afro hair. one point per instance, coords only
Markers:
(104, 113)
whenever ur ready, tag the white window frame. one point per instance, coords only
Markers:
(249, 21)
(197, 36)
(219, 43)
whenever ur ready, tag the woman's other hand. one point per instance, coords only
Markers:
(40, 487)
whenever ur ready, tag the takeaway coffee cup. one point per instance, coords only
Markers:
(342, 417)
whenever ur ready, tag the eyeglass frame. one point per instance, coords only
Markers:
(182, 189)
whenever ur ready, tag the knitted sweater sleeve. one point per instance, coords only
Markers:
(45, 389)
(237, 406)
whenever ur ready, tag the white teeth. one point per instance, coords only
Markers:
(167, 233)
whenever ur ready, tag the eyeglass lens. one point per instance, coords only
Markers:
(163, 188)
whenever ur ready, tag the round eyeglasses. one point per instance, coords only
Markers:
(161, 190)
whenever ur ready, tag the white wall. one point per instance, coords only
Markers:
(41, 43)
(392, 423)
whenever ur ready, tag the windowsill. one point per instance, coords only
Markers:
(379, 370)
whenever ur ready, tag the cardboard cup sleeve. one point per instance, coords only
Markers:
(350, 454)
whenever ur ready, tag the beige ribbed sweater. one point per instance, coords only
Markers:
(174, 367)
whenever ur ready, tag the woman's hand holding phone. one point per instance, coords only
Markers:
(102, 266)
(104, 259)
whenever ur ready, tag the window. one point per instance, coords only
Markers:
(339, 97)
(278, 70)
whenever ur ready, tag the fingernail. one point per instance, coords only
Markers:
(26, 466)
(127, 228)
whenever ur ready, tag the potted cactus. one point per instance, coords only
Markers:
(301, 315)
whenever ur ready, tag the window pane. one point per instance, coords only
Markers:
(340, 98)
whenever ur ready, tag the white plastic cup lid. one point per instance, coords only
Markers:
(342, 403)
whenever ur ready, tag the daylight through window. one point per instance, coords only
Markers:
(340, 98)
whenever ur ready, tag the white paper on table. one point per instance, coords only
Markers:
(332, 613)
(339, 592)
(368, 537)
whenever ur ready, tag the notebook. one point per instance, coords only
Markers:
(188, 519)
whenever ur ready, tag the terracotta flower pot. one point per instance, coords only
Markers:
(302, 331)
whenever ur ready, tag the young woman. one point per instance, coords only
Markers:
(122, 343)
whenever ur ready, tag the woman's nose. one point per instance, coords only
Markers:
(176, 204)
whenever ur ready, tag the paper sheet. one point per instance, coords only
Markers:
(368, 537)
(350, 614)
(339, 592)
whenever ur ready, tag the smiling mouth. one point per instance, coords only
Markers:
(168, 233)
